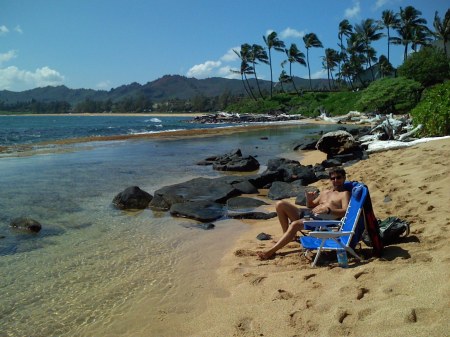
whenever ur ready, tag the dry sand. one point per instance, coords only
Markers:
(405, 293)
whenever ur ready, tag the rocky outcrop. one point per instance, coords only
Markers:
(132, 198)
(233, 161)
(203, 210)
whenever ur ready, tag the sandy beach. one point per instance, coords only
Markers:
(404, 293)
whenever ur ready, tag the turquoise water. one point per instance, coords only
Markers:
(93, 270)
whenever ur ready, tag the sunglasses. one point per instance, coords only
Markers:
(337, 178)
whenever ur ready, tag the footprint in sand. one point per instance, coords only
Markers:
(411, 317)
(307, 277)
(245, 324)
(257, 280)
(361, 293)
(283, 295)
(359, 274)
(244, 252)
(342, 315)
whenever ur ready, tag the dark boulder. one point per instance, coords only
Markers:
(132, 198)
(247, 208)
(26, 224)
(281, 190)
(266, 178)
(291, 170)
(233, 161)
(204, 189)
(203, 210)
(306, 145)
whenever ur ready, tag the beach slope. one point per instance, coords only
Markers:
(405, 293)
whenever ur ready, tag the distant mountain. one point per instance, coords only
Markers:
(163, 89)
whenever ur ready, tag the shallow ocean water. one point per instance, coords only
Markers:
(97, 271)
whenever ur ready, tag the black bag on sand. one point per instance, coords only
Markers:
(391, 230)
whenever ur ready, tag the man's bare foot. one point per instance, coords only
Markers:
(265, 256)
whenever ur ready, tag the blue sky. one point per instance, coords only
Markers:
(102, 44)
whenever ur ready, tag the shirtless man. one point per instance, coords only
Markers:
(330, 204)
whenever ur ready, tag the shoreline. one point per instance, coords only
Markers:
(389, 296)
(30, 149)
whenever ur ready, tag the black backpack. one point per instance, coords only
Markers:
(391, 230)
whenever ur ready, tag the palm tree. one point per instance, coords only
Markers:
(329, 62)
(386, 67)
(442, 28)
(272, 41)
(257, 53)
(284, 78)
(420, 37)
(294, 55)
(345, 29)
(311, 40)
(410, 20)
(245, 69)
(367, 31)
(356, 52)
(389, 20)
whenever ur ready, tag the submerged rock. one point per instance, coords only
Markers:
(26, 224)
(132, 198)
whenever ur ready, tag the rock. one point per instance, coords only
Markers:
(252, 215)
(266, 178)
(244, 203)
(290, 170)
(306, 145)
(26, 224)
(337, 142)
(132, 198)
(247, 208)
(233, 161)
(281, 190)
(203, 210)
(263, 236)
(216, 190)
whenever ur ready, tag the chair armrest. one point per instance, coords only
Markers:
(320, 223)
(328, 235)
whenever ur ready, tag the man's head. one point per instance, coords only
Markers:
(337, 176)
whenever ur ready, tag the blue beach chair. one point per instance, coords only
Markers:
(350, 228)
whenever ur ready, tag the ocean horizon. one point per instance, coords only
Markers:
(94, 270)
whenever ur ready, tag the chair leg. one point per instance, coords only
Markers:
(351, 251)
(318, 253)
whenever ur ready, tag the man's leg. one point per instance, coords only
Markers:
(287, 237)
(286, 212)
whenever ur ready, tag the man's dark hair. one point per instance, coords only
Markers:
(337, 170)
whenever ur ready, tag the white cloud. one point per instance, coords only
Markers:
(5, 57)
(353, 11)
(227, 73)
(12, 78)
(203, 70)
(319, 74)
(3, 30)
(18, 29)
(104, 85)
(230, 56)
(291, 33)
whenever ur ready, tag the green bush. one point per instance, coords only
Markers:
(390, 95)
(433, 111)
(427, 66)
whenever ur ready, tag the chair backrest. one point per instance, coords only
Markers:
(353, 220)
